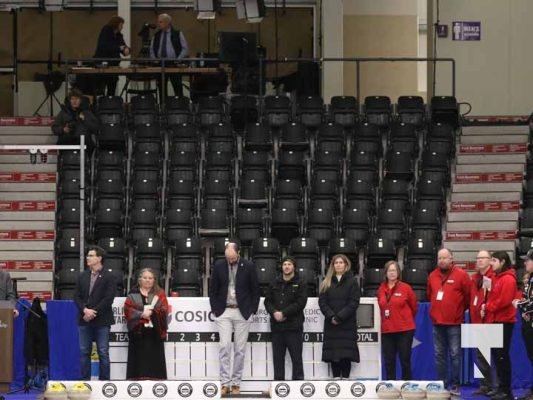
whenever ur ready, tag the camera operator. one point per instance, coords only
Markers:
(111, 45)
(75, 119)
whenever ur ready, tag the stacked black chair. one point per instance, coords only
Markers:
(266, 254)
(344, 110)
(411, 110)
(187, 266)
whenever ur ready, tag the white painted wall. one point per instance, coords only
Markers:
(494, 74)
(332, 45)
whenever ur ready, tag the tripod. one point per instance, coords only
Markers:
(52, 82)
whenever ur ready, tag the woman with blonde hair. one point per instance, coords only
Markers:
(338, 300)
(146, 310)
(398, 306)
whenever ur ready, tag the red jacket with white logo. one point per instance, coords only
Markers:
(478, 296)
(400, 300)
(453, 288)
(499, 305)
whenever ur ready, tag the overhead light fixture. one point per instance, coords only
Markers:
(251, 10)
(207, 9)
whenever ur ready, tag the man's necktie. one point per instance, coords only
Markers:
(164, 45)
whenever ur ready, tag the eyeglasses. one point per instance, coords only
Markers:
(481, 258)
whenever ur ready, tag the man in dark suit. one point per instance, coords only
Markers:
(94, 296)
(234, 297)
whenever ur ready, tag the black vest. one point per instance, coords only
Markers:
(174, 39)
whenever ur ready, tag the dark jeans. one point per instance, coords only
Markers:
(502, 360)
(527, 336)
(281, 342)
(341, 368)
(447, 339)
(397, 343)
(100, 335)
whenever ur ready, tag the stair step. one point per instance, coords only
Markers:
(17, 255)
(484, 206)
(19, 265)
(33, 276)
(489, 216)
(460, 226)
(24, 189)
(489, 168)
(23, 159)
(25, 216)
(17, 177)
(27, 139)
(29, 224)
(497, 158)
(463, 149)
(27, 197)
(34, 245)
(480, 196)
(29, 205)
(28, 168)
(35, 286)
(488, 177)
(476, 245)
(494, 139)
(494, 130)
(466, 265)
(486, 188)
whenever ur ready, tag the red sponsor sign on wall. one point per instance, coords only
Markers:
(466, 265)
(27, 235)
(482, 235)
(27, 205)
(27, 177)
(493, 178)
(493, 148)
(485, 206)
(27, 265)
(30, 295)
(26, 121)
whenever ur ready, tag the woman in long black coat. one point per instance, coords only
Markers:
(338, 301)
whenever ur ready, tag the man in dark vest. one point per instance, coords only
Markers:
(168, 43)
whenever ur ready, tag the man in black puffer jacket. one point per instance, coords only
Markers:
(285, 301)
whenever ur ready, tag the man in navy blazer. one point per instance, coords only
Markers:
(234, 297)
(94, 297)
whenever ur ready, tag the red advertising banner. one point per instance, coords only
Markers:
(27, 177)
(485, 206)
(492, 178)
(27, 235)
(466, 265)
(30, 295)
(493, 148)
(41, 265)
(26, 121)
(27, 205)
(481, 235)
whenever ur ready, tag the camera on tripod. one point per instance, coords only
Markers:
(144, 34)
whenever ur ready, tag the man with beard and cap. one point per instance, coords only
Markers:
(285, 301)
(448, 290)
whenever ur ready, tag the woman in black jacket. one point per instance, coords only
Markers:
(338, 300)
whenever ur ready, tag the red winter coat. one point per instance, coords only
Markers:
(402, 306)
(478, 296)
(455, 285)
(499, 305)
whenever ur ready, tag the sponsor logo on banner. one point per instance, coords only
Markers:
(333, 389)
(307, 389)
(88, 386)
(185, 389)
(282, 390)
(159, 390)
(109, 390)
(135, 389)
(358, 389)
(210, 390)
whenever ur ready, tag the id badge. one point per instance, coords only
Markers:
(387, 313)
(440, 295)
(475, 301)
(232, 293)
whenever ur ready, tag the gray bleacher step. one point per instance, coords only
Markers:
(35, 286)
(473, 245)
(29, 225)
(32, 275)
(24, 216)
(460, 226)
(34, 255)
(28, 167)
(470, 255)
(482, 196)
(28, 139)
(27, 246)
(454, 216)
(494, 130)
(487, 187)
(493, 139)
(23, 188)
(28, 196)
(488, 168)
(498, 158)
(27, 130)
(24, 159)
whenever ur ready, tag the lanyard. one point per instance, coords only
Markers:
(388, 295)
(446, 278)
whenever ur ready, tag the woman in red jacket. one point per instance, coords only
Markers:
(499, 309)
(397, 304)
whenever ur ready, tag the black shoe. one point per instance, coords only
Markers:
(492, 392)
(482, 391)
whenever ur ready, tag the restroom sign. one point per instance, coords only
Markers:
(466, 30)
